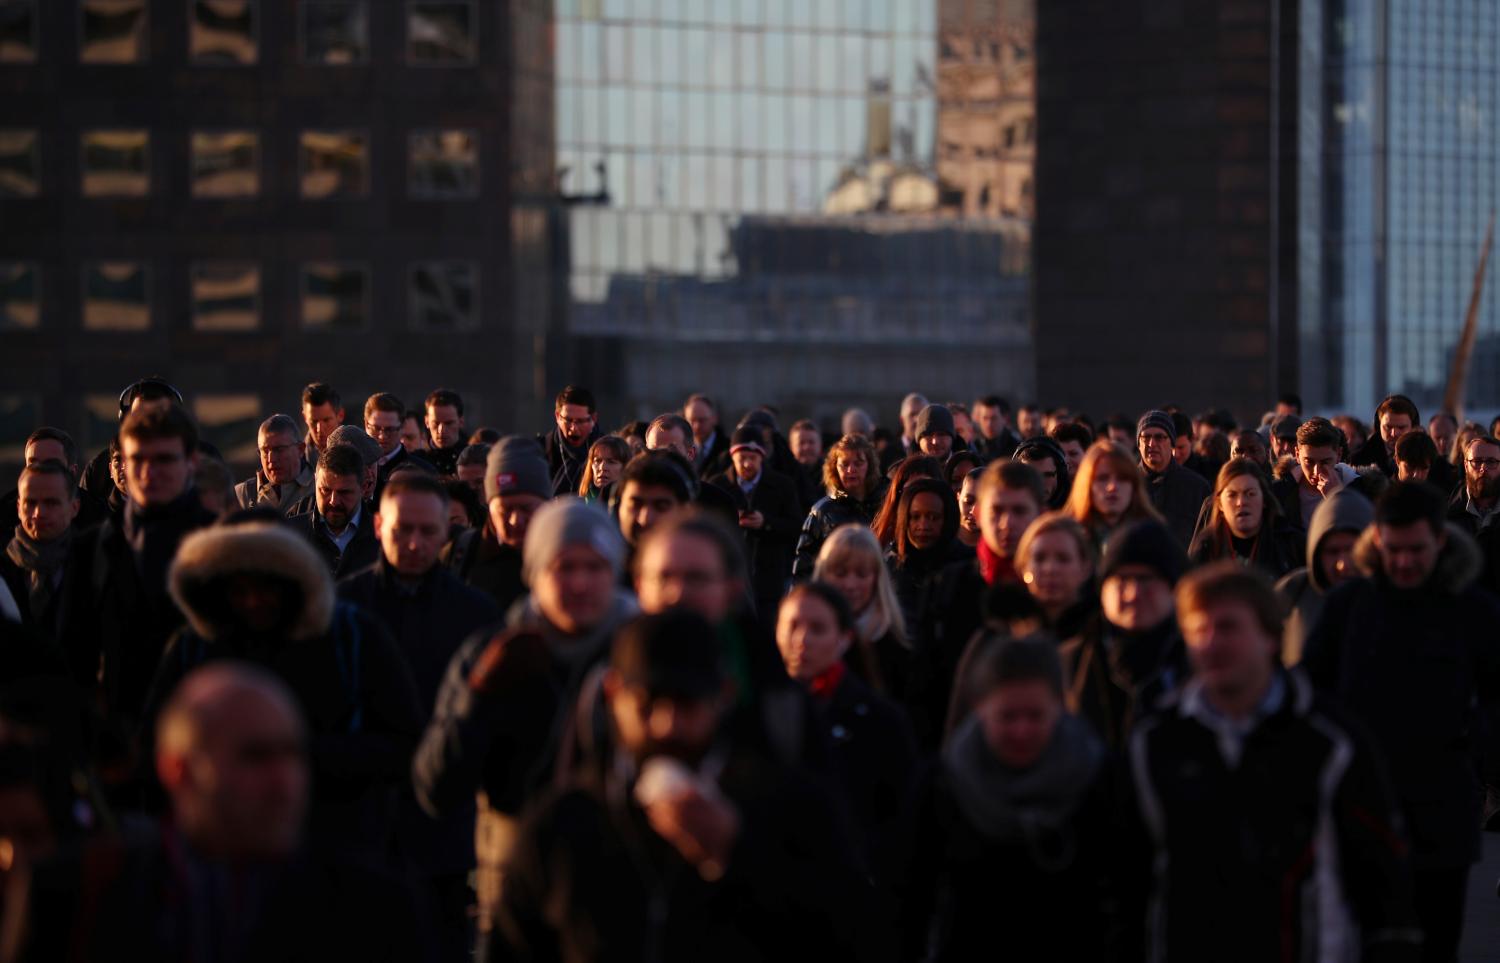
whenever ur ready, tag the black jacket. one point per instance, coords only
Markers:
(707, 462)
(1178, 494)
(362, 551)
(827, 514)
(444, 461)
(768, 548)
(1373, 453)
(1275, 552)
(480, 561)
(1002, 446)
(403, 459)
(92, 510)
(66, 627)
(1411, 666)
(1486, 536)
(1261, 852)
(566, 463)
(1115, 677)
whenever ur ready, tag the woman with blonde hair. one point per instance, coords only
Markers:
(852, 562)
(851, 477)
(1056, 561)
(1109, 493)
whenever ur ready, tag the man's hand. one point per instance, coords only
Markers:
(702, 828)
(1327, 481)
(508, 662)
(752, 520)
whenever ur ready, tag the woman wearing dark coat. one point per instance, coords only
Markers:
(1246, 524)
(852, 479)
(924, 542)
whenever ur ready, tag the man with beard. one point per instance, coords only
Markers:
(340, 527)
(566, 446)
(1474, 506)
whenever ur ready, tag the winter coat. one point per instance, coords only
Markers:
(130, 615)
(916, 578)
(565, 462)
(362, 551)
(350, 680)
(401, 458)
(1373, 453)
(1010, 864)
(66, 626)
(998, 448)
(1178, 494)
(1115, 677)
(708, 460)
(827, 514)
(768, 548)
(92, 510)
(1282, 845)
(1486, 534)
(480, 561)
(257, 491)
(1274, 552)
(444, 461)
(1411, 665)
(1304, 589)
(591, 881)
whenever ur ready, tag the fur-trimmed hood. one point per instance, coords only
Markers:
(1458, 566)
(209, 555)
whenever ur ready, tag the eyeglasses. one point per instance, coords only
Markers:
(1484, 464)
(577, 422)
(373, 430)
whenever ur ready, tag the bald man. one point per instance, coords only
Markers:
(225, 876)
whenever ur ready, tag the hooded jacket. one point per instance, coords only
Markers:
(351, 682)
(1305, 589)
(1412, 665)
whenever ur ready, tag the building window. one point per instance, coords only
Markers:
(112, 31)
(231, 423)
(116, 296)
(18, 36)
(226, 295)
(441, 33)
(116, 163)
(335, 296)
(19, 299)
(19, 416)
(222, 33)
(19, 163)
(335, 163)
(226, 163)
(444, 163)
(444, 295)
(335, 32)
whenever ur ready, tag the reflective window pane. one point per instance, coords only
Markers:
(222, 32)
(18, 31)
(19, 415)
(226, 296)
(335, 164)
(226, 163)
(230, 422)
(19, 163)
(444, 295)
(19, 298)
(112, 31)
(116, 296)
(441, 33)
(335, 32)
(116, 163)
(444, 163)
(335, 296)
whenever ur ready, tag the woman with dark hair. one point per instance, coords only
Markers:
(1246, 524)
(605, 463)
(1012, 822)
(959, 465)
(851, 477)
(1043, 454)
(924, 542)
(909, 468)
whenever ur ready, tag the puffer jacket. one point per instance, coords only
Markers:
(827, 514)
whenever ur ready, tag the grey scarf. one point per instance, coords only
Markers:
(42, 561)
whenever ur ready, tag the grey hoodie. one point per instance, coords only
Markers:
(1304, 589)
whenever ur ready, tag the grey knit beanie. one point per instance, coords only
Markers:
(569, 521)
(516, 465)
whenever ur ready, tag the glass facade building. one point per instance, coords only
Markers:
(756, 208)
(1399, 172)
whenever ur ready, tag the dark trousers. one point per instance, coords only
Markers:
(1440, 896)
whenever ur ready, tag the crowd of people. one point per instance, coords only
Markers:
(981, 684)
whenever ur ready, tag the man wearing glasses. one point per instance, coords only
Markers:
(383, 419)
(1474, 506)
(567, 446)
(285, 477)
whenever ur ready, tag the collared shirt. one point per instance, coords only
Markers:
(342, 539)
(749, 486)
(389, 455)
(1232, 733)
(1485, 517)
(704, 447)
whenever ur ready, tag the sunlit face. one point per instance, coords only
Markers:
(1248, 445)
(1229, 649)
(1110, 492)
(412, 438)
(968, 501)
(605, 468)
(1156, 449)
(686, 569)
(1406, 471)
(413, 529)
(1482, 472)
(642, 506)
(989, 420)
(280, 457)
(1004, 517)
(338, 497)
(47, 505)
(1018, 720)
(963, 426)
(1443, 430)
(574, 592)
(852, 471)
(1072, 454)
(575, 422)
(1318, 464)
(1409, 553)
(747, 462)
(510, 516)
(670, 439)
(856, 578)
(1242, 506)
(385, 428)
(1056, 569)
(807, 446)
(924, 520)
(937, 444)
(1392, 426)
(1336, 557)
(1136, 598)
(157, 470)
(809, 637)
(47, 449)
(445, 425)
(701, 416)
(1029, 421)
(321, 421)
(1047, 468)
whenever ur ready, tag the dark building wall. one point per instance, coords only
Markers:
(1161, 205)
(499, 227)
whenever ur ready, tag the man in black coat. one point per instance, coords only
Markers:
(341, 527)
(132, 615)
(429, 613)
(383, 413)
(691, 843)
(1411, 651)
(992, 418)
(710, 440)
(1476, 505)
(1175, 491)
(54, 444)
(516, 484)
(1257, 823)
(1395, 416)
(769, 517)
(566, 446)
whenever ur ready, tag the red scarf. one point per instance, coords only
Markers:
(992, 568)
(826, 683)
